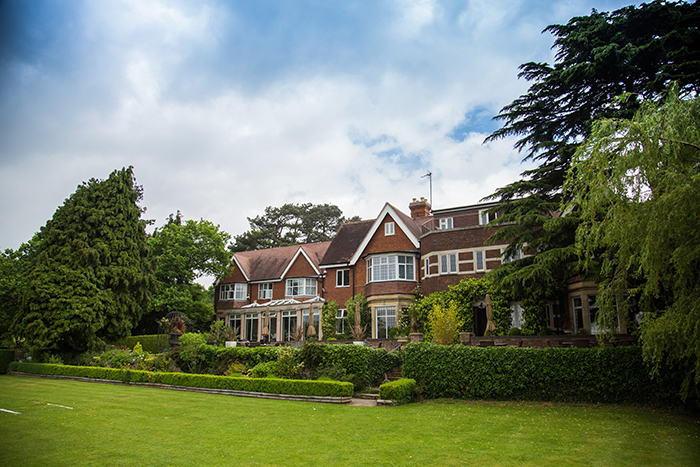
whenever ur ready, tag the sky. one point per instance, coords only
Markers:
(226, 107)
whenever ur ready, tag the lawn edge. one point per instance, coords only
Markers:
(228, 392)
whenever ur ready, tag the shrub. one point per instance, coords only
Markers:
(150, 343)
(265, 385)
(445, 324)
(117, 358)
(263, 370)
(287, 365)
(400, 391)
(515, 332)
(602, 374)
(6, 357)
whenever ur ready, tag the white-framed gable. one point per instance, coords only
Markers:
(387, 210)
(235, 260)
(300, 252)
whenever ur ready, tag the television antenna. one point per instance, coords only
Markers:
(430, 178)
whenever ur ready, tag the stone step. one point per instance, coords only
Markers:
(369, 396)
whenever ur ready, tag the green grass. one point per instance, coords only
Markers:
(121, 425)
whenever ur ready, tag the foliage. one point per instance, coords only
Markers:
(138, 348)
(6, 356)
(291, 224)
(184, 251)
(602, 374)
(462, 296)
(635, 52)
(118, 358)
(288, 365)
(401, 390)
(87, 277)
(192, 352)
(264, 369)
(358, 330)
(265, 385)
(636, 184)
(11, 285)
(445, 324)
(149, 343)
(329, 311)
(310, 355)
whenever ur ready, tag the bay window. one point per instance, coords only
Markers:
(391, 268)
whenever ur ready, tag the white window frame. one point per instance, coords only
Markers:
(448, 263)
(485, 216)
(252, 326)
(387, 313)
(234, 322)
(426, 267)
(389, 229)
(301, 287)
(386, 268)
(226, 292)
(265, 291)
(516, 315)
(446, 223)
(341, 319)
(241, 291)
(479, 256)
(518, 255)
(340, 278)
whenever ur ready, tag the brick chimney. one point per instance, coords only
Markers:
(419, 208)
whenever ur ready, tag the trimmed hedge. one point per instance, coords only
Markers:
(400, 390)
(368, 363)
(361, 360)
(7, 356)
(264, 385)
(601, 374)
(149, 343)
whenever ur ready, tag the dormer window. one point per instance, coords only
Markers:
(445, 223)
(389, 228)
(485, 216)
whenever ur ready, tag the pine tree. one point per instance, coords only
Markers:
(88, 279)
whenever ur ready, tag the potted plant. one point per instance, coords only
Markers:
(231, 335)
(177, 328)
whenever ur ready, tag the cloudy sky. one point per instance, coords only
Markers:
(225, 107)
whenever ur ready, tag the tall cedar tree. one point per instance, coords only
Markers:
(291, 224)
(635, 52)
(88, 278)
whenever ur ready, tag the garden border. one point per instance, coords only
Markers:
(229, 392)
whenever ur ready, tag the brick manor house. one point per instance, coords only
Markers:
(383, 259)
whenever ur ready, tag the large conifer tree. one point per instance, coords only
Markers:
(635, 52)
(88, 278)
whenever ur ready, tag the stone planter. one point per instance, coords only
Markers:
(358, 342)
(231, 343)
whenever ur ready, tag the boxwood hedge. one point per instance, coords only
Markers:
(400, 390)
(264, 385)
(601, 374)
(150, 342)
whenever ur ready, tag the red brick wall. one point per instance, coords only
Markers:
(380, 243)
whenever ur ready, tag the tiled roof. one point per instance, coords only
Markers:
(346, 241)
(410, 223)
(270, 263)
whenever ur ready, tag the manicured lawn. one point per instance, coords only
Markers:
(119, 425)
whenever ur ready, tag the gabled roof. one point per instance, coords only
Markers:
(404, 222)
(345, 242)
(273, 263)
